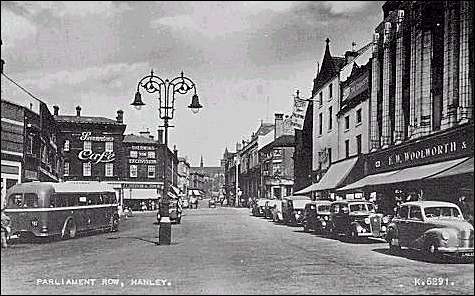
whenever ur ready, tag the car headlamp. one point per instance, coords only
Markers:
(385, 219)
(34, 223)
(383, 228)
(445, 235)
(325, 218)
(324, 223)
(366, 220)
(158, 216)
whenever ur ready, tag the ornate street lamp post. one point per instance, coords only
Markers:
(166, 89)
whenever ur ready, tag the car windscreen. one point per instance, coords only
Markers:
(360, 207)
(437, 212)
(324, 209)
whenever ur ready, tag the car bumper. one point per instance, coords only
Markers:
(454, 251)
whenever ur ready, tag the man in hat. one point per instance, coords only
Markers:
(5, 228)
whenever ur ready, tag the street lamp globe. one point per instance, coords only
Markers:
(138, 103)
(195, 105)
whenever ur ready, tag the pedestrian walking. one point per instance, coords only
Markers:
(6, 224)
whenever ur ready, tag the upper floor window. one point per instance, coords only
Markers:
(347, 122)
(358, 116)
(358, 144)
(30, 144)
(330, 91)
(347, 148)
(320, 99)
(133, 171)
(151, 154)
(330, 118)
(66, 145)
(109, 169)
(320, 123)
(86, 169)
(66, 169)
(151, 171)
(87, 146)
(133, 154)
(109, 146)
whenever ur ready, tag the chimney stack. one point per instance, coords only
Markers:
(56, 110)
(78, 111)
(120, 116)
(279, 125)
(160, 136)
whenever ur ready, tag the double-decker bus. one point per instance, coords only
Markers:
(46, 209)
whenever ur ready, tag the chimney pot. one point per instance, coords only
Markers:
(120, 116)
(56, 110)
(78, 111)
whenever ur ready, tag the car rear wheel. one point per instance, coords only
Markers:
(70, 230)
(305, 227)
(393, 247)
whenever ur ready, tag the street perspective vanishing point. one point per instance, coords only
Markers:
(328, 151)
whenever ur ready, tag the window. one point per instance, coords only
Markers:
(320, 123)
(151, 154)
(330, 91)
(133, 171)
(358, 116)
(44, 154)
(86, 169)
(403, 212)
(109, 169)
(330, 118)
(320, 99)
(133, 154)
(415, 213)
(358, 144)
(151, 171)
(329, 155)
(87, 146)
(15, 200)
(30, 144)
(109, 146)
(347, 148)
(66, 169)
(347, 122)
(66, 145)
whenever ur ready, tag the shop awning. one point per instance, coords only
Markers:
(333, 178)
(404, 175)
(465, 167)
(174, 190)
(141, 194)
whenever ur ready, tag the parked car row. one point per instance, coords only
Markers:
(434, 227)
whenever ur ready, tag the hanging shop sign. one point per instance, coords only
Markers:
(142, 161)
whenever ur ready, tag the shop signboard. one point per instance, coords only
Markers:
(442, 146)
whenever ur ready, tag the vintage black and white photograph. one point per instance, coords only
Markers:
(237, 147)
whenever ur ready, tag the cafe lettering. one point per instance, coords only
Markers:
(95, 158)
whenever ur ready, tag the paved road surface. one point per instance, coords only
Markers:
(221, 251)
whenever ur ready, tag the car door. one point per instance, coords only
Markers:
(402, 224)
(415, 227)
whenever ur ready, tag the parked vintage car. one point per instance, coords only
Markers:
(258, 207)
(212, 203)
(277, 212)
(186, 203)
(434, 227)
(269, 207)
(293, 207)
(356, 218)
(316, 216)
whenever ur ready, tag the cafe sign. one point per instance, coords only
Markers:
(95, 158)
(456, 144)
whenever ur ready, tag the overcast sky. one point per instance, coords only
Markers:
(246, 58)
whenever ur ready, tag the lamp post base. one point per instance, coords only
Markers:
(165, 231)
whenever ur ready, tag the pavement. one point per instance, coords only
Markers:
(222, 251)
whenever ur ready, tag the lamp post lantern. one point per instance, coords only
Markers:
(166, 90)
